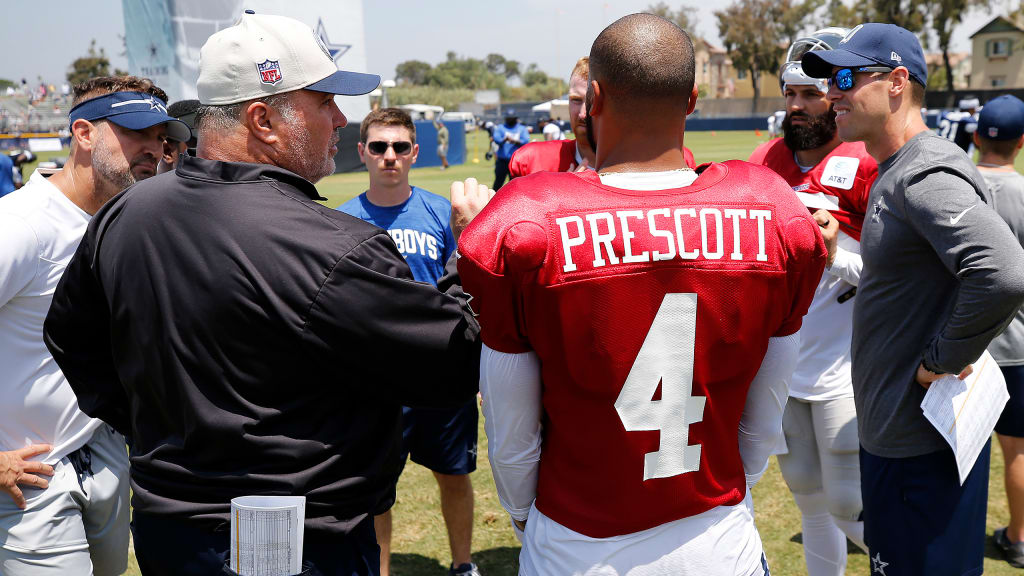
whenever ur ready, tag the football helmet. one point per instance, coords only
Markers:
(791, 71)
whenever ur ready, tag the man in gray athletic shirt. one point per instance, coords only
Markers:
(999, 138)
(943, 275)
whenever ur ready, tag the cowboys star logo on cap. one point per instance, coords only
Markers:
(851, 33)
(270, 72)
(153, 104)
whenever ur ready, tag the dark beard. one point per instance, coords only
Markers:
(818, 131)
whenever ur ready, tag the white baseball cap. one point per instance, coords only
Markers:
(264, 55)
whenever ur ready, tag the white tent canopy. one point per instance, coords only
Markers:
(557, 108)
(546, 106)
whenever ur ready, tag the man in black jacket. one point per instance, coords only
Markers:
(245, 337)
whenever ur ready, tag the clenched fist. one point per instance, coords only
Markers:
(468, 199)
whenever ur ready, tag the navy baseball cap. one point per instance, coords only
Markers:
(511, 113)
(1002, 118)
(131, 110)
(871, 44)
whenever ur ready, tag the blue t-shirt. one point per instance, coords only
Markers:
(6, 174)
(420, 228)
(507, 149)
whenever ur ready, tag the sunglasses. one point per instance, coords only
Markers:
(378, 147)
(843, 78)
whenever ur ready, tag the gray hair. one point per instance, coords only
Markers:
(227, 117)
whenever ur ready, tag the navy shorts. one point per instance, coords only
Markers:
(442, 439)
(918, 520)
(1011, 421)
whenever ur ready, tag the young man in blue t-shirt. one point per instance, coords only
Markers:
(443, 440)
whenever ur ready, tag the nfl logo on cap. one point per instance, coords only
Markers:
(993, 132)
(270, 72)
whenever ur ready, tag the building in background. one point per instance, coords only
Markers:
(716, 77)
(960, 62)
(997, 59)
(163, 37)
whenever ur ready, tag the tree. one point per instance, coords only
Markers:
(838, 13)
(795, 17)
(91, 65)
(945, 15)
(413, 72)
(495, 63)
(511, 68)
(685, 17)
(909, 14)
(534, 76)
(756, 34)
(469, 73)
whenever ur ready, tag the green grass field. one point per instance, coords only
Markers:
(420, 545)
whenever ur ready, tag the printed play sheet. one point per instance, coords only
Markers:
(266, 535)
(965, 411)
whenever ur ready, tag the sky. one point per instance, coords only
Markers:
(551, 34)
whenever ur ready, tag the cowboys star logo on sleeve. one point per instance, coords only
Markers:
(270, 72)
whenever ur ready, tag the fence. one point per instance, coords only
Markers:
(347, 158)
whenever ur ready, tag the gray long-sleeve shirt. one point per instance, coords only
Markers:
(943, 275)
(1007, 192)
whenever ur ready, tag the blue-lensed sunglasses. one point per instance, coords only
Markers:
(843, 78)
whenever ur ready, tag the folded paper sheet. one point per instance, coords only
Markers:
(965, 411)
(266, 535)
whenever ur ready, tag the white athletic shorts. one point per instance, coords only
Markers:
(76, 525)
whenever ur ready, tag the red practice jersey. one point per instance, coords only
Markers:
(840, 183)
(650, 313)
(556, 156)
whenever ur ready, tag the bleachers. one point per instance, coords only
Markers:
(18, 115)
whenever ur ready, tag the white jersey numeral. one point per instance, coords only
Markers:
(666, 357)
(948, 129)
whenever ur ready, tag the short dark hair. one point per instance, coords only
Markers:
(101, 85)
(182, 108)
(387, 117)
(1002, 148)
(645, 59)
(917, 93)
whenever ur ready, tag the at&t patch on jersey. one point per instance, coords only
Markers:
(840, 172)
(270, 72)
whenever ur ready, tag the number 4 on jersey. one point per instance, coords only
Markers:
(666, 357)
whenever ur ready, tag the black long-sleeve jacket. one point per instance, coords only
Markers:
(252, 341)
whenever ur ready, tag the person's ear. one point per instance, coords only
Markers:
(595, 97)
(362, 151)
(260, 119)
(900, 79)
(84, 133)
(1020, 141)
(693, 101)
(415, 153)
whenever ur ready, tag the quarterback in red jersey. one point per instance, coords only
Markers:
(634, 319)
(833, 178)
